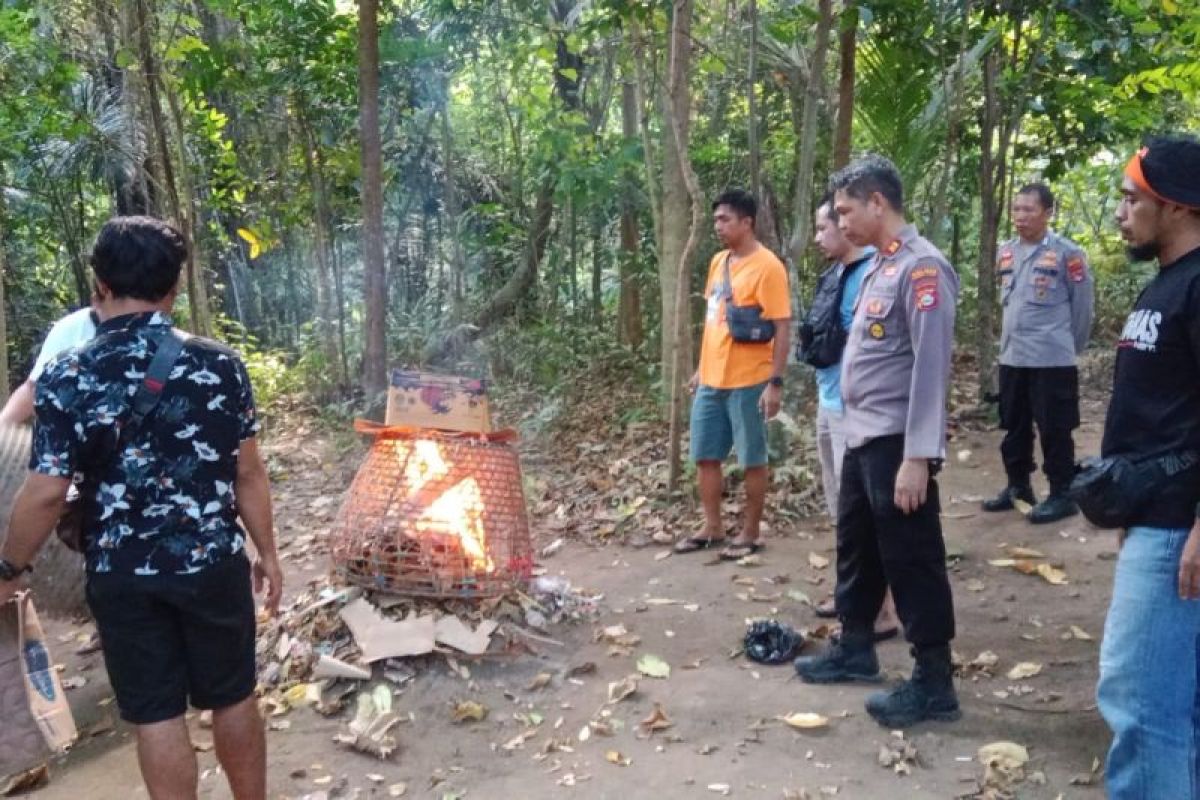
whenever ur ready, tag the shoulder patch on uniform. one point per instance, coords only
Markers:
(1077, 268)
(925, 291)
(924, 273)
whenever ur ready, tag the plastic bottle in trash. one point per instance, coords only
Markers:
(37, 666)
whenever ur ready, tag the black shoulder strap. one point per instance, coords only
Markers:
(150, 389)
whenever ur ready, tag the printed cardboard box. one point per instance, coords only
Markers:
(428, 400)
(37, 721)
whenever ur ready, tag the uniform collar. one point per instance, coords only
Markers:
(905, 235)
(135, 321)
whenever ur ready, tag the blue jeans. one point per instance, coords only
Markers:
(1149, 692)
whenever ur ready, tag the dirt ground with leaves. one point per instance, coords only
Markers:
(649, 696)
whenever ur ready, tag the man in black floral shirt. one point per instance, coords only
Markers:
(168, 578)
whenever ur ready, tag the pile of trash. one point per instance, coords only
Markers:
(340, 645)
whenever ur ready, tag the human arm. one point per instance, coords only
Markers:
(253, 493)
(772, 396)
(36, 509)
(18, 409)
(1082, 294)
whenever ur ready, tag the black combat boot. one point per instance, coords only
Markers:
(850, 658)
(929, 694)
(1055, 507)
(1004, 500)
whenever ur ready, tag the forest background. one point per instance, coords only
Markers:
(520, 188)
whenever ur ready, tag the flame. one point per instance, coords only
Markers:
(423, 463)
(460, 511)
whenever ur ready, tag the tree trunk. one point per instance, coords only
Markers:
(4, 385)
(374, 376)
(802, 206)
(196, 299)
(847, 51)
(985, 329)
(629, 301)
(765, 224)
(598, 250)
(458, 260)
(322, 237)
(680, 231)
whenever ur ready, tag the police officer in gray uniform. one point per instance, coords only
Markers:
(1047, 292)
(895, 376)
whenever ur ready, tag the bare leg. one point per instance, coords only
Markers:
(167, 760)
(887, 619)
(756, 497)
(241, 748)
(711, 484)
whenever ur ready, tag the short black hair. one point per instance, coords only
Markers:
(139, 257)
(1044, 195)
(868, 174)
(831, 209)
(741, 201)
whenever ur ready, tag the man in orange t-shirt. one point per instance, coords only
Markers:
(738, 386)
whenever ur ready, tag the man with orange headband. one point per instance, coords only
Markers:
(1046, 289)
(1149, 690)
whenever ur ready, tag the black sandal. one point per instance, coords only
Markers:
(694, 544)
(738, 550)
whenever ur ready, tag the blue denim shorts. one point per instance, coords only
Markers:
(729, 419)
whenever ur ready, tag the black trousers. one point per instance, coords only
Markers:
(879, 546)
(1049, 398)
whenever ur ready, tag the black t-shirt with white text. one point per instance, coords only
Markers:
(1155, 405)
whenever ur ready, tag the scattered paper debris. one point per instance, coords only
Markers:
(817, 561)
(804, 721)
(654, 667)
(1023, 670)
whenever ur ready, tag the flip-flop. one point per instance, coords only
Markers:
(694, 544)
(740, 550)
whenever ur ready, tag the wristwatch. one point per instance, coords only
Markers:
(777, 382)
(10, 572)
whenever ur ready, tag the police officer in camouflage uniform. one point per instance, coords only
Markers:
(1046, 288)
(895, 376)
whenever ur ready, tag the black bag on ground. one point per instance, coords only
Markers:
(1112, 491)
(822, 337)
(746, 323)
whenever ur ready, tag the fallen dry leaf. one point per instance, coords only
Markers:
(817, 561)
(624, 688)
(469, 711)
(657, 721)
(1080, 633)
(1026, 669)
(1052, 575)
(540, 681)
(804, 721)
(397, 790)
(1025, 552)
(1021, 506)
(614, 757)
(653, 666)
(1004, 765)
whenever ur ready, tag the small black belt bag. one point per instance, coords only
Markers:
(746, 323)
(1112, 491)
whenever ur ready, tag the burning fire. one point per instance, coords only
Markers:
(459, 509)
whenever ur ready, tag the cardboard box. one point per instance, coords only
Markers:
(428, 400)
(37, 721)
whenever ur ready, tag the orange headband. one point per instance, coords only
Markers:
(1133, 171)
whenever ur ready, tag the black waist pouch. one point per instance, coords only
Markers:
(1112, 491)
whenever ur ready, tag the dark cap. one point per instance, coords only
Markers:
(1168, 167)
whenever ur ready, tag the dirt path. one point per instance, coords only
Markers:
(723, 708)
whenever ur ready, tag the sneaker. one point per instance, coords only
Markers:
(929, 694)
(1004, 500)
(849, 658)
(1052, 509)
